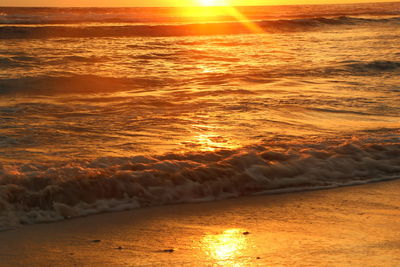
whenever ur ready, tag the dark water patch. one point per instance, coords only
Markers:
(78, 84)
(17, 62)
(368, 68)
(136, 46)
(6, 63)
(375, 66)
(327, 110)
(258, 79)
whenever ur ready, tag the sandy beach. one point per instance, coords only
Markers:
(351, 226)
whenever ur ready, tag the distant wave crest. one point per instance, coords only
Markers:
(163, 30)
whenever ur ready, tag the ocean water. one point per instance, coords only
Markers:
(112, 109)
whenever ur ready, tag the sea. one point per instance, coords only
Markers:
(112, 109)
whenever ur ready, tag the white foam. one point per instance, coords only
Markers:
(42, 193)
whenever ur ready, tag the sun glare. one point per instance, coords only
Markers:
(221, 8)
(213, 2)
(226, 248)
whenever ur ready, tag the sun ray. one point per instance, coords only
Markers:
(223, 8)
(251, 25)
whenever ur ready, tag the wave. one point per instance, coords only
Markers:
(195, 29)
(354, 68)
(378, 65)
(43, 192)
(69, 83)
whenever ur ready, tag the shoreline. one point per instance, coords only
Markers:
(355, 225)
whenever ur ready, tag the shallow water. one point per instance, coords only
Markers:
(101, 115)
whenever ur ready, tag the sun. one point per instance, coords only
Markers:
(213, 2)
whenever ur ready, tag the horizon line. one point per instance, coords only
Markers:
(193, 6)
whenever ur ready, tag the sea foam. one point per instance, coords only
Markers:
(32, 193)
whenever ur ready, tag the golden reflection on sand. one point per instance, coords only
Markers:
(226, 248)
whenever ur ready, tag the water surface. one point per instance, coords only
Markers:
(112, 109)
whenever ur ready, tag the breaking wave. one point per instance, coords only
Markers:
(43, 192)
(195, 29)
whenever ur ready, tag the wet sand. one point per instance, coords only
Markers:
(351, 226)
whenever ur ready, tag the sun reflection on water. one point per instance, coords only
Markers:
(206, 139)
(226, 248)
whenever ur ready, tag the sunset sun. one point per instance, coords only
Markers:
(213, 2)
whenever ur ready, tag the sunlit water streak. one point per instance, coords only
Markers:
(109, 116)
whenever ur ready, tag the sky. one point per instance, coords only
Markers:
(127, 3)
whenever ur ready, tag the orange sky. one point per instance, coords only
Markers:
(165, 2)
